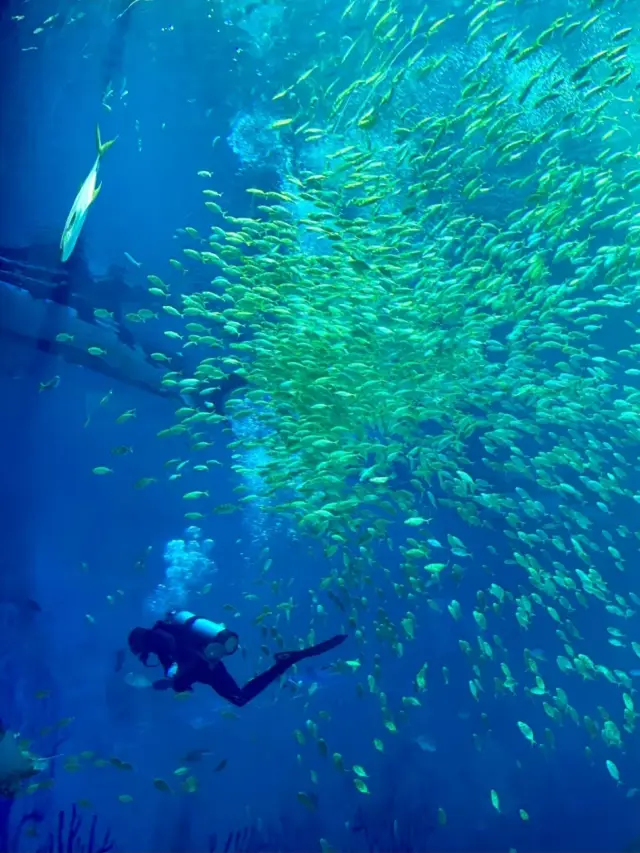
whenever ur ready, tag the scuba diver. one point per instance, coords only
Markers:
(113, 61)
(190, 650)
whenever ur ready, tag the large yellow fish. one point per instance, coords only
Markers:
(82, 202)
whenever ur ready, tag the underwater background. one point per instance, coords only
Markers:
(432, 303)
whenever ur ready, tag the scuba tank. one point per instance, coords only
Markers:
(214, 638)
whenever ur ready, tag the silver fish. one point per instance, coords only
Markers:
(87, 194)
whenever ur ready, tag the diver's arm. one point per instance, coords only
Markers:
(163, 645)
(183, 674)
(176, 679)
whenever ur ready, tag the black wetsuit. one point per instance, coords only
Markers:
(174, 646)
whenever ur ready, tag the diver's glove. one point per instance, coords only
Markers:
(180, 682)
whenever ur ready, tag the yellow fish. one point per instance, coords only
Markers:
(87, 194)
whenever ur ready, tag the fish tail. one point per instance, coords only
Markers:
(103, 147)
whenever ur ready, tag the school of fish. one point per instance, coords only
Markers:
(436, 316)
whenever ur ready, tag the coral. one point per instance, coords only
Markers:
(5, 816)
(67, 837)
(398, 818)
(29, 820)
(387, 834)
(248, 840)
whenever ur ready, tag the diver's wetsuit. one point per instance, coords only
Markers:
(175, 648)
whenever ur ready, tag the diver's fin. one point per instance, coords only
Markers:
(102, 147)
(311, 651)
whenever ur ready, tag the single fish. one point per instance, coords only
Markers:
(140, 682)
(86, 196)
(195, 755)
(425, 743)
(306, 683)
(538, 654)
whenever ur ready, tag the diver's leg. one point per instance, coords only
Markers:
(225, 686)
(312, 651)
(229, 689)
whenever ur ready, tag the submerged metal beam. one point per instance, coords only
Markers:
(37, 323)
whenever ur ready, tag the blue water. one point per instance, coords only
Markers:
(72, 542)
